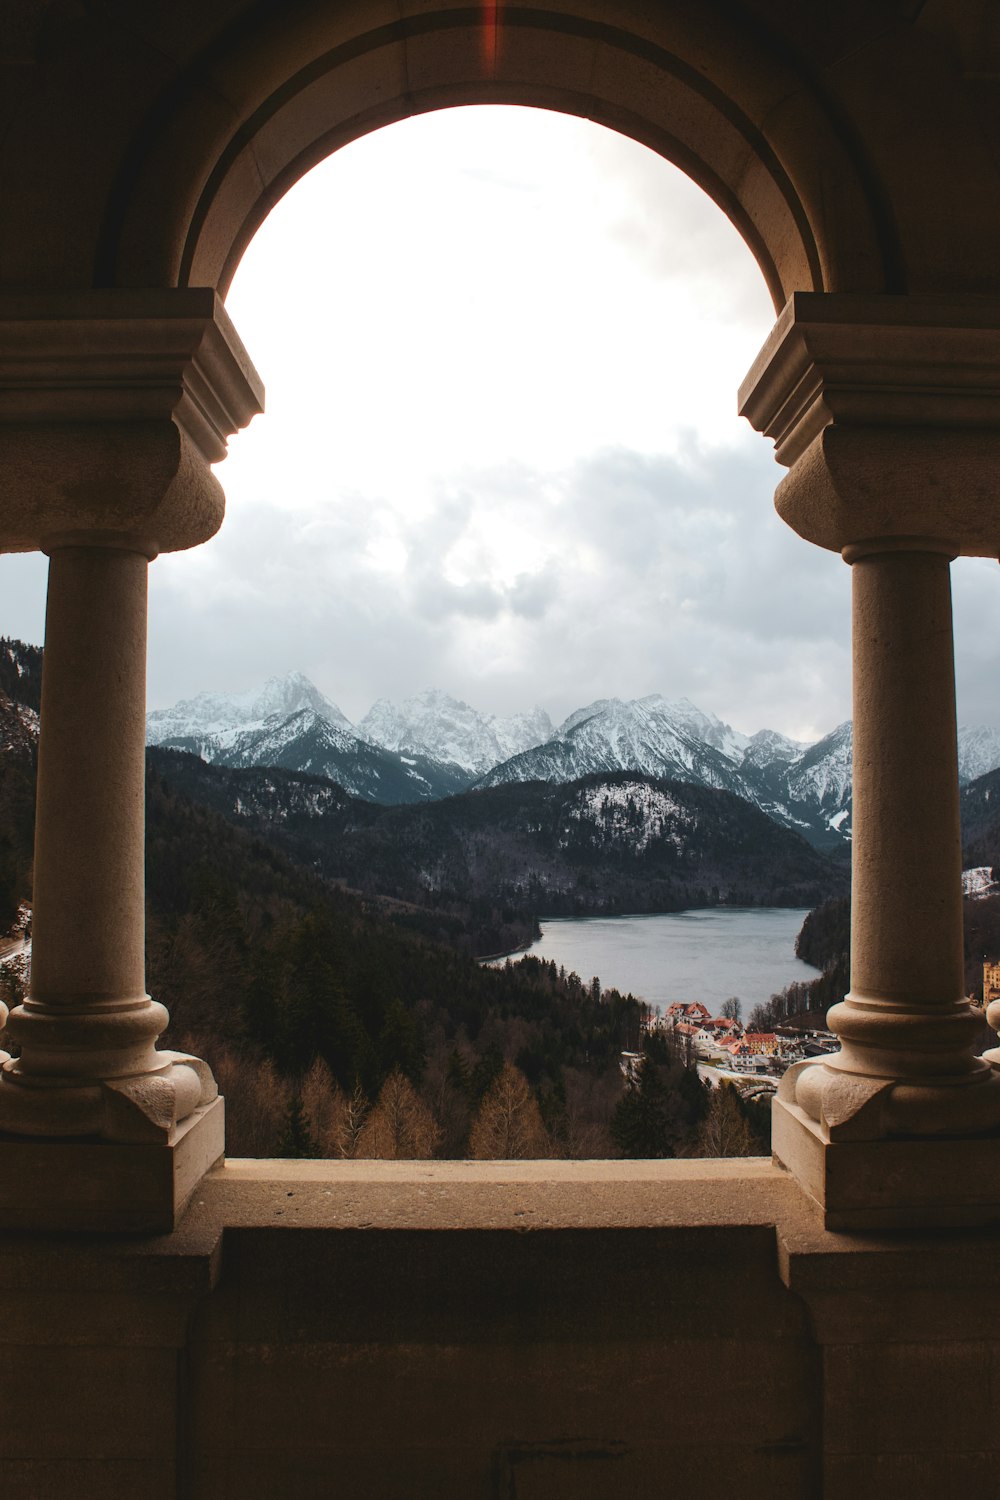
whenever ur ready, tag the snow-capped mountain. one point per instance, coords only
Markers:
(220, 716)
(289, 723)
(304, 741)
(433, 745)
(767, 749)
(803, 787)
(445, 729)
(699, 725)
(978, 751)
(820, 778)
(646, 734)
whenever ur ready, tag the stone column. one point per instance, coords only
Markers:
(119, 403)
(887, 413)
(906, 1027)
(87, 1032)
(88, 916)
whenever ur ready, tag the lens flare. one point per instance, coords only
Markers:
(491, 35)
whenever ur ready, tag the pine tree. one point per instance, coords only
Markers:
(641, 1124)
(296, 1137)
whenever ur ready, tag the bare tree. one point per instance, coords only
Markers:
(257, 1100)
(400, 1127)
(509, 1124)
(725, 1131)
(356, 1110)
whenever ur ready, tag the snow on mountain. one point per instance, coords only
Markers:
(978, 882)
(305, 741)
(581, 715)
(679, 716)
(978, 751)
(804, 787)
(225, 715)
(18, 728)
(268, 743)
(646, 734)
(289, 723)
(432, 745)
(821, 775)
(631, 812)
(699, 725)
(444, 728)
(768, 748)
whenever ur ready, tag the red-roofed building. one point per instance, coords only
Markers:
(726, 1023)
(686, 1010)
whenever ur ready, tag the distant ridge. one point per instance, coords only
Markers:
(433, 745)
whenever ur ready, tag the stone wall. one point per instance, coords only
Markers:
(504, 1331)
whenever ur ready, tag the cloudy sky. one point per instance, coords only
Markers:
(501, 453)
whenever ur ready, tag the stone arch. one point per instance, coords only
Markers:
(245, 119)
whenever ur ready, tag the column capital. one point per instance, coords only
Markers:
(886, 410)
(113, 405)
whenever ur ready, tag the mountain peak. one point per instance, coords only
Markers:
(221, 713)
(435, 724)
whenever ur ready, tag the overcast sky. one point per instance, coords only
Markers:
(501, 454)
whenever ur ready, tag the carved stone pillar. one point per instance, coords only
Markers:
(887, 412)
(115, 405)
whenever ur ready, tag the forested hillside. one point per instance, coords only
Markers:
(267, 968)
(496, 859)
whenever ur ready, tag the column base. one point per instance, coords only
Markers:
(928, 1183)
(108, 1186)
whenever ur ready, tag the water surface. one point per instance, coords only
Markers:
(707, 954)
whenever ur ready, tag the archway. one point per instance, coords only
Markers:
(201, 174)
(716, 528)
(881, 405)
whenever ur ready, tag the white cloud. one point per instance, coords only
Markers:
(501, 454)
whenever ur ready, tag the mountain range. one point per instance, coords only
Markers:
(289, 723)
(478, 867)
(432, 746)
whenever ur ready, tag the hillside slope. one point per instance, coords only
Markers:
(605, 843)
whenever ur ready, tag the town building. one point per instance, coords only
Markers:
(991, 982)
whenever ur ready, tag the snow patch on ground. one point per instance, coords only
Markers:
(631, 812)
(979, 882)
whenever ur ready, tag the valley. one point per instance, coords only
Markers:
(317, 943)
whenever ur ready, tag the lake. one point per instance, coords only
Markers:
(706, 954)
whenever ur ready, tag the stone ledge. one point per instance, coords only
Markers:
(108, 1186)
(494, 1195)
(691, 1199)
(889, 1184)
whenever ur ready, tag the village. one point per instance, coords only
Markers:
(723, 1044)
